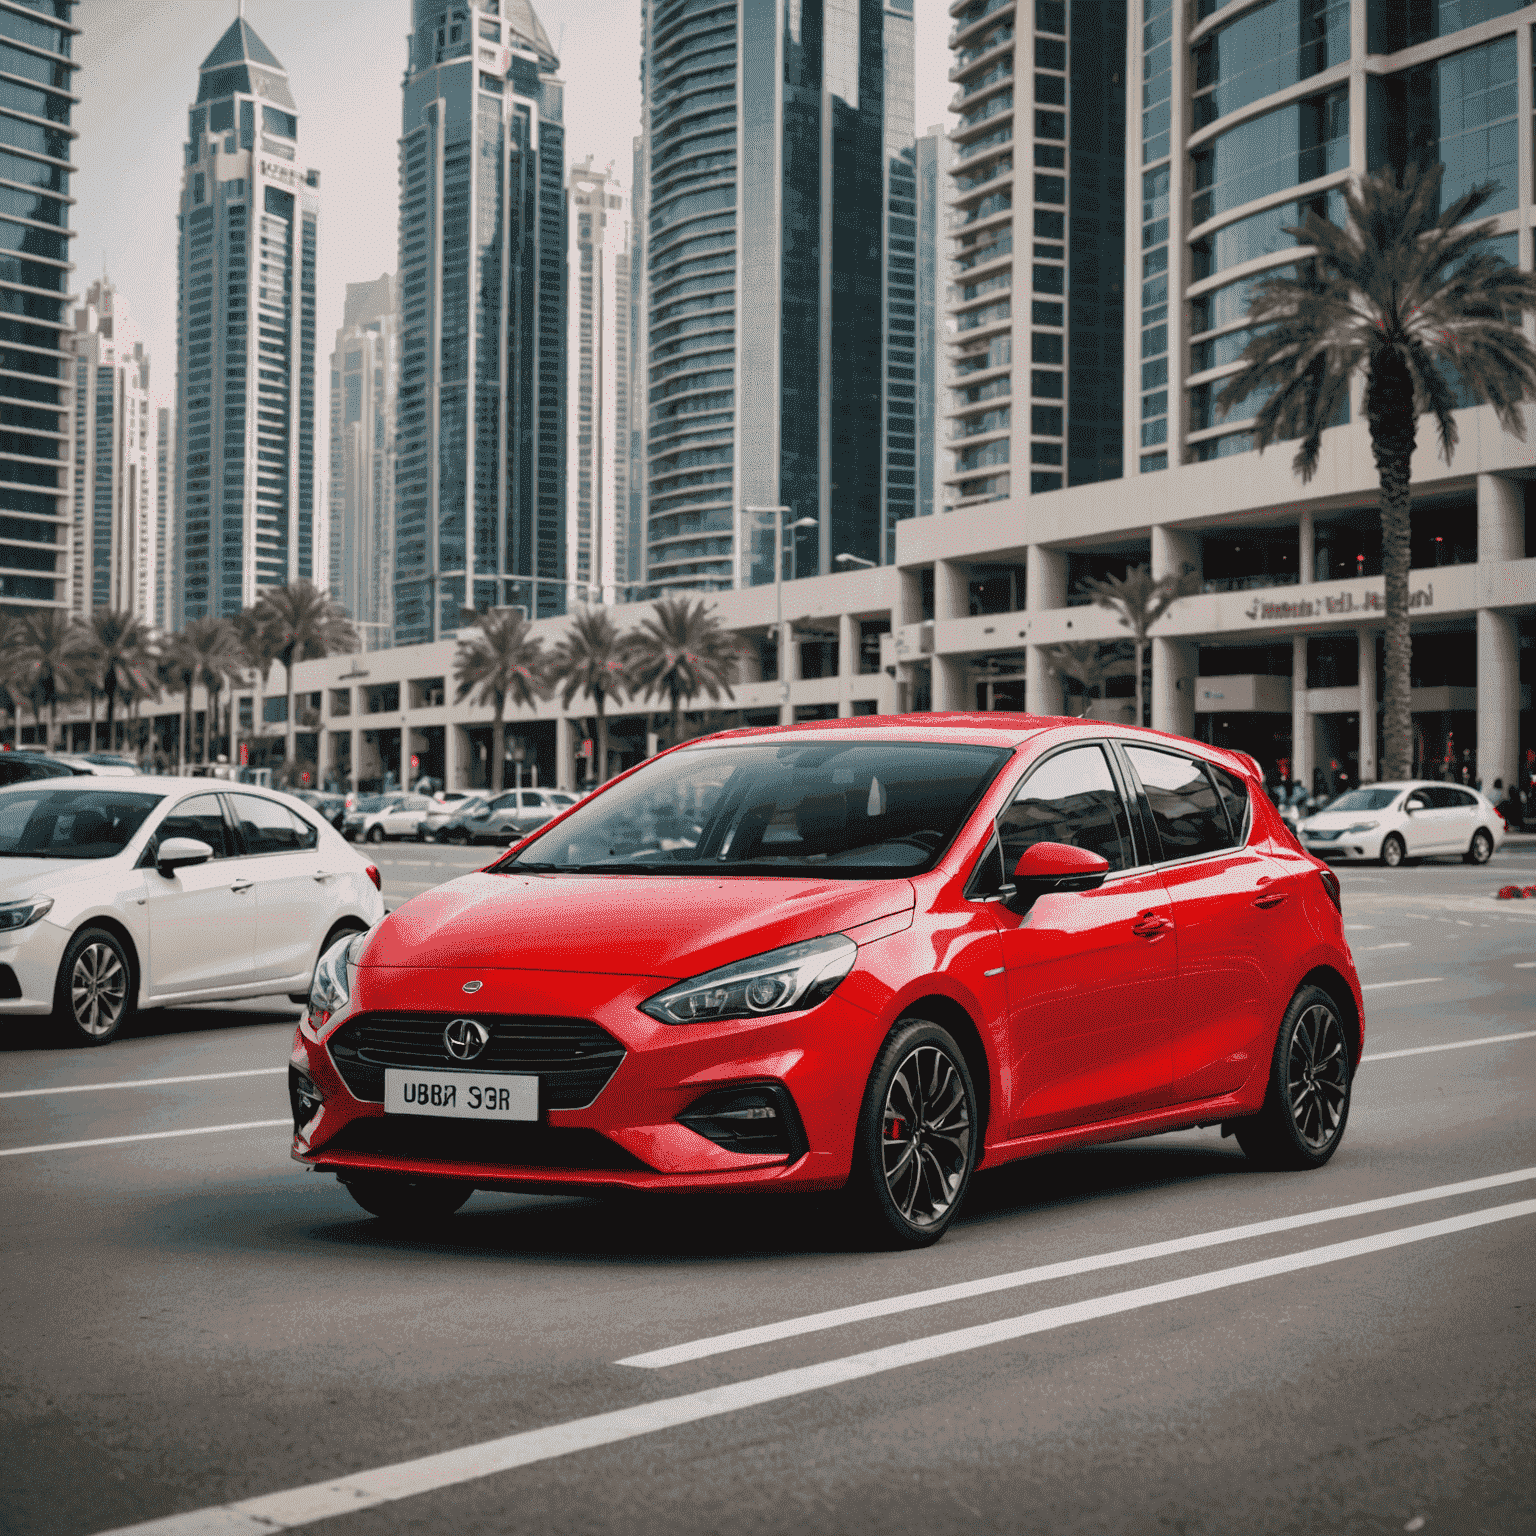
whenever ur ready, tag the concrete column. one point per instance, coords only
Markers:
(1305, 548)
(847, 661)
(1174, 553)
(1175, 664)
(949, 684)
(1370, 771)
(1500, 520)
(1302, 756)
(453, 757)
(951, 590)
(407, 778)
(1045, 580)
(565, 752)
(1498, 694)
(357, 754)
(1042, 692)
(909, 599)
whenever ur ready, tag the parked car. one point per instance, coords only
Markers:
(15, 767)
(858, 956)
(433, 825)
(332, 807)
(1411, 819)
(376, 817)
(111, 763)
(116, 896)
(506, 817)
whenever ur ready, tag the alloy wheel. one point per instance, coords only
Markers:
(98, 989)
(1317, 1075)
(1482, 847)
(1392, 851)
(925, 1136)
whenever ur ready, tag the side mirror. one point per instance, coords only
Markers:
(1050, 867)
(180, 852)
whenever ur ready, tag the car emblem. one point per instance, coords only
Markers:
(473, 986)
(464, 1039)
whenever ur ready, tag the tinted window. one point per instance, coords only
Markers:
(1234, 796)
(16, 768)
(1451, 799)
(1071, 799)
(849, 809)
(1365, 800)
(201, 817)
(267, 827)
(70, 823)
(1188, 815)
(1419, 800)
(536, 801)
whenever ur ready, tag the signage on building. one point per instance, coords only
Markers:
(1361, 600)
(275, 170)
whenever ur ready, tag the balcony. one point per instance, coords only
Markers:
(974, 15)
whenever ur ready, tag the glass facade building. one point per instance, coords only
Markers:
(365, 371)
(933, 293)
(245, 389)
(779, 218)
(1038, 188)
(37, 39)
(480, 514)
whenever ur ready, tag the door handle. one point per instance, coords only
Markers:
(1148, 925)
(241, 885)
(1272, 900)
(325, 874)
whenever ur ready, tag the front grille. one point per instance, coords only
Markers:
(1318, 836)
(426, 1140)
(573, 1057)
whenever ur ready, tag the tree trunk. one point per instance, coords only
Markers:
(602, 740)
(498, 746)
(186, 729)
(677, 719)
(290, 738)
(111, 711)
(1141, 715)
(1389, 410)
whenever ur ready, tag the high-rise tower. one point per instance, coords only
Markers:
(245, 398)
(480, 509)
(114, 506)
(35, 168)
(780, 228)
(365, 371)
(597, 356)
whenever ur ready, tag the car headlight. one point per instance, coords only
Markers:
(23, 913)
(781, 981)
(332, 988)
(1364, 826)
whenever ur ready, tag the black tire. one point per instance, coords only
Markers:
(1310, 1078)
(1393, 851)
(375, 833)
(907, 1198)
(407, 1202)
(1481, 849)
(93, 997)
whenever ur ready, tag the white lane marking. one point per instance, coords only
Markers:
(1525, 965)
(385, 1485)
(815, 1322)
(1416, 981)
(1360, 927)
(1451, 1045)
(1371, 949)
(138, 1082)
(112, 1141)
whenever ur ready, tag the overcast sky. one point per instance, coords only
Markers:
(345, 59)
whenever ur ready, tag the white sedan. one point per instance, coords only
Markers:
(1412, 819)
(120, 894)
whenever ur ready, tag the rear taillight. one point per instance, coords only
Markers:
(373, 874)
(1335, 892)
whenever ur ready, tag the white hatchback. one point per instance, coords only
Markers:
(1411, 819)
(118, 894)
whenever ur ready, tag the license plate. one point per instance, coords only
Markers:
(461, 1095)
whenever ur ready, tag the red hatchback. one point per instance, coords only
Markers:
(866, 955)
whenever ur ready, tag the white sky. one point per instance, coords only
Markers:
(345, 59)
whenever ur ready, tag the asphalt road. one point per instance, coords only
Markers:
(190, 1321)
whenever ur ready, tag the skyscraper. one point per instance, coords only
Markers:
(165, 520)
(597, 358)
(365, 370)
(780, 217)
(115, 474)
(1042, 174)
(480, 461)
(934, 266)
(245, 399)
(36, 143)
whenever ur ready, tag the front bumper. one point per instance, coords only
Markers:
(29, 967)
(1350, 848)
(629, 1136)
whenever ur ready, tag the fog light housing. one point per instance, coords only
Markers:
(757, 1120)
(305, 1100)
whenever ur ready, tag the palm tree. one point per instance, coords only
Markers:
(178, 671)
(500, 658)
(1088, 663)
(302, 623)
(51, 656)
(258, 650)
(122, 652)
(1404, 296)
(1139, 601)
(682, 650)
(592, 658)
(208, 650)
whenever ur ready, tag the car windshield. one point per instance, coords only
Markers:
(367, 803)
(851, 810)
(1364, 800)
(70, 823)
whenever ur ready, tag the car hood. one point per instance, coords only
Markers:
(27, 877)
(1338, 821)
(622, 925)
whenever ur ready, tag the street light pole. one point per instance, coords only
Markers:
(778, 514)
(855, 560)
